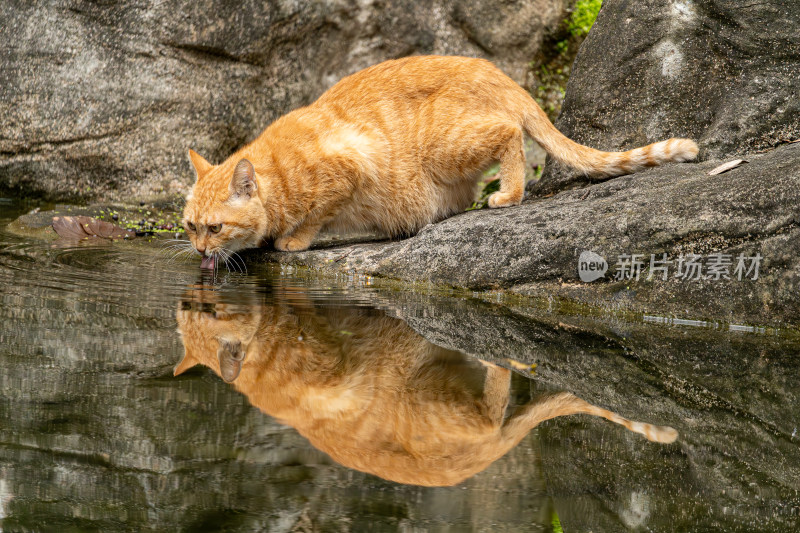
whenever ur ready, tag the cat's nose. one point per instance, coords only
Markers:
(201, 249)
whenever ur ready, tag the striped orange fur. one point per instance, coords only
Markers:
(391, 148)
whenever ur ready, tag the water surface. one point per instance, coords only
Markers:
(99, 434)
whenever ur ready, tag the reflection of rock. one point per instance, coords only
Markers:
(103, 99)
(5, 495)
(368, 391)
(734, 398)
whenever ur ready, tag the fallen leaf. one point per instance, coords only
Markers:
(517, 365)
(68, 228)
(730, 165)
(82, 227)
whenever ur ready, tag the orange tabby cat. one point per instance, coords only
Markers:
(369, 391)
(391, 148)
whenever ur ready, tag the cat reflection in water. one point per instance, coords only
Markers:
(369, 391)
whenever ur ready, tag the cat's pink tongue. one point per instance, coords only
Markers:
(207, 262)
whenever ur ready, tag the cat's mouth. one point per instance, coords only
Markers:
(208, 261)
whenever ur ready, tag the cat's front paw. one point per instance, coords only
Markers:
(504, 199)
(291, 244)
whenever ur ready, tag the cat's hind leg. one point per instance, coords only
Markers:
(512, 171)
(496, 390)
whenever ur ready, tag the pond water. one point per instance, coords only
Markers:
(142, 394)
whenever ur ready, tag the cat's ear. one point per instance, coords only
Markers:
(186, 363)
(230, 354)
(201, 166)
(243, 182)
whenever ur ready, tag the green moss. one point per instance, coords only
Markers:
(550, 70)
(583, 17)
(552, 78)
(556, 523)
(489, 188)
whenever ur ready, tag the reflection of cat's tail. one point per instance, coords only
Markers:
(563, 404)
(596, 163)
(663, 434)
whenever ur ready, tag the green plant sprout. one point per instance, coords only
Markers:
(583, 17)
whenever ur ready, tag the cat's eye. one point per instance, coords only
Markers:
(215, 228)
(190, 226)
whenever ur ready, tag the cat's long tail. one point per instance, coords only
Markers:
(596, 163)
(564, 403)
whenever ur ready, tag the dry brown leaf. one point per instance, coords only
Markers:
(82, 227)
(730, 165)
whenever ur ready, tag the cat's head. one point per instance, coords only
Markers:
(216, 335)
(223, 212)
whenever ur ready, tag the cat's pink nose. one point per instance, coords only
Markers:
(201, 250)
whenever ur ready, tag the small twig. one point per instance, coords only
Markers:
(342, 256)
(725, 167)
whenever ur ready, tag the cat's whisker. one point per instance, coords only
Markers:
(217, 256)
(238, 258)
(175, 250)
(189, 253)
(168, 249)
(176, 244)
(229, 261)
(235, 259)
(225, 261)
(238, 262)
(224, 258)
(182, 254)
(175, 247)
(168, 253)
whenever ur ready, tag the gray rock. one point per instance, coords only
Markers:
(722, 72)
(102, 100)
(533, 249)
